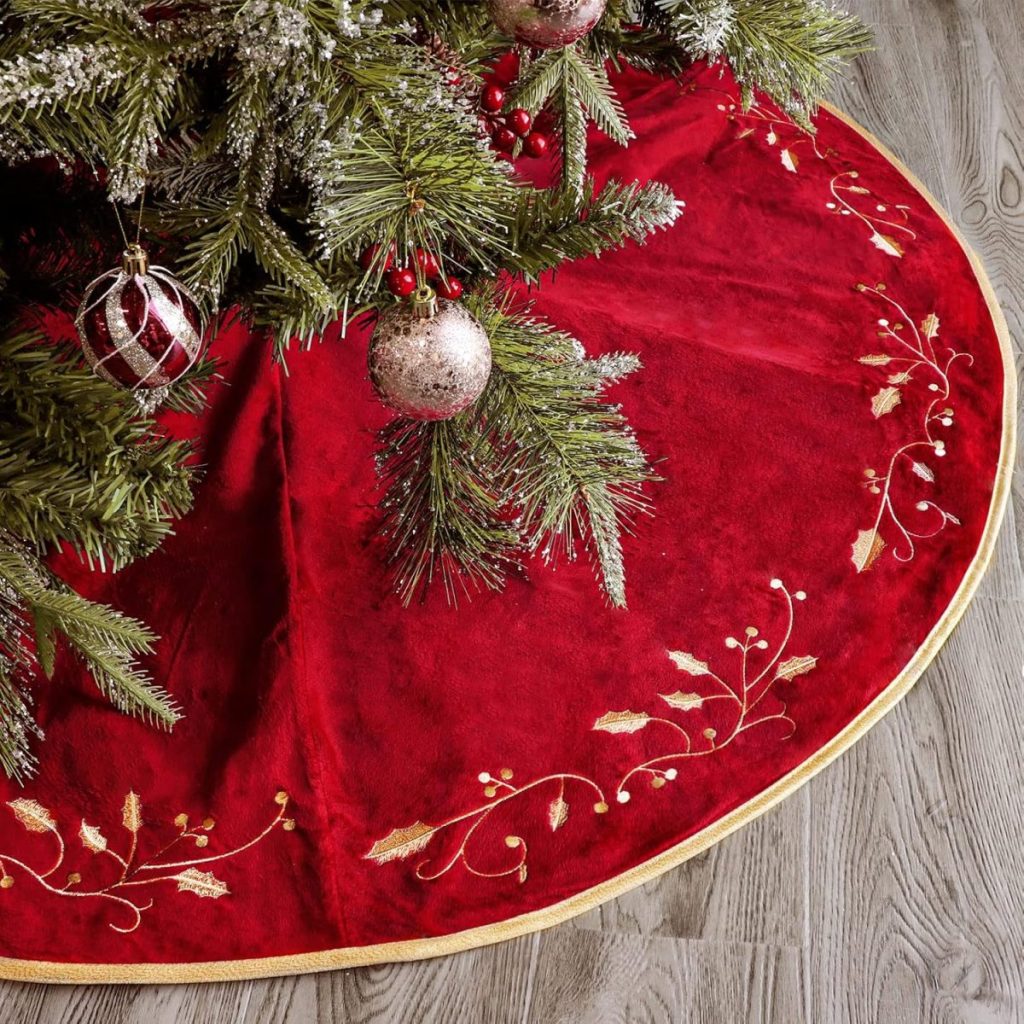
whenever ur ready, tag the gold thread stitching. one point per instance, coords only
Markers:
(747, 694)
(744, 696)
(845, 187)
(402, 843)
(918, 351)
(842, 205)
(779, 128)
(36, 818)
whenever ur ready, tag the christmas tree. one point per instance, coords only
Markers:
(310, 161)
(79, 469)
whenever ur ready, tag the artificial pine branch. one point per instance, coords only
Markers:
(278, 142)
(556, 225)
(568, 461)
(107, 642)
(78, 465)
(17, 726)
(789, 49)
(577, 89)
(541, 463)
(240, 110)
(418, 182)
(443, 514)
(79, 468)
(598, 97)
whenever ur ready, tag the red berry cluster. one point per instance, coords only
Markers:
(401, 281)
(516, 124)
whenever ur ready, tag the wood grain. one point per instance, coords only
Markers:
(887, 891)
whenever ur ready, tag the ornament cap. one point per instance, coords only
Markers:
(134, 260)
(424, 302)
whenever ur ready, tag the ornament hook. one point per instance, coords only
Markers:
(134, 260)
(424, 302)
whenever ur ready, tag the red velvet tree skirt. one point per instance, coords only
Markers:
(827, 381)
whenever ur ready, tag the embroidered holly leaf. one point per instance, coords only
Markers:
(888, 245)
(92, 838)
(923, 471)
(771, 137)
(558, 813)
(866, 549)
(688, 663)
(203, 883)
(879, 359)
(33, 815)
(885, 401)
(401, 843)
(622, 721)
(789, 160)
(131, 815)
(903, 377)
(930, 326)
(682, 701)
(793, 667)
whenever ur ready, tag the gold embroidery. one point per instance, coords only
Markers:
(916, 351)
(849, 197)
(779, 130)
(744, 696)
(402, 843)
(747, 693)
(185, 873)
(848, 200)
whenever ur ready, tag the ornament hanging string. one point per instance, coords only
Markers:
(138, 224)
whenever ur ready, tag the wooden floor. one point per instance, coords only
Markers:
(888, 890)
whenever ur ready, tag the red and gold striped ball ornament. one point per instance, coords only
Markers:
(140, 328)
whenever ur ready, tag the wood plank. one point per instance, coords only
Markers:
(198, 1004)
(750, 888)
(586, 977)
(486, 986)
(916, 908)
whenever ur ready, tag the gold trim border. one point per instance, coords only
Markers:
(422, 949)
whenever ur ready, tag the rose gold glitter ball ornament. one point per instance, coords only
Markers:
(546, 23)
(139, 327)
(430, 358)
